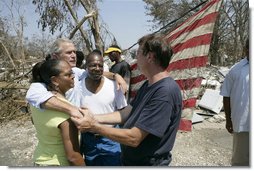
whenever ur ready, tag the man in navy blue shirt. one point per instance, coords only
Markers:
(151, 121)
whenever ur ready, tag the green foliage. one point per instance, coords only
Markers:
(53, 14)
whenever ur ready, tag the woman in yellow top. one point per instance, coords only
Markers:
(57, 135)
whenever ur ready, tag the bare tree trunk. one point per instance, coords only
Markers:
(83, 33)
(94, 23)
(8, 55)
(21, 35)
(80, 24)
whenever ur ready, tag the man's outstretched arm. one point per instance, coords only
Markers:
(54, 103)
(39, 97)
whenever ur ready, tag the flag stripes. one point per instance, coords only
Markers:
(190, 43)
(210, 7)
(200, 26)
(201, 50)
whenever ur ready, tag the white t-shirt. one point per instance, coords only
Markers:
(236, 86)
(107, 100)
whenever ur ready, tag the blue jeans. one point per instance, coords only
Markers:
(104, 160)
(100, 151)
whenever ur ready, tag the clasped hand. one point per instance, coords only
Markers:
(85, 123)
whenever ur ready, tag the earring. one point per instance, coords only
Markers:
(56, 87)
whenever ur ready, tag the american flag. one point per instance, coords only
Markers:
(190, 42)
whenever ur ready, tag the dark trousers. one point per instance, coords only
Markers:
(105, 160)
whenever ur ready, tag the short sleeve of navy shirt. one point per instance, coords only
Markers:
(156, 110)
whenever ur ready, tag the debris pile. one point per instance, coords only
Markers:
(209, 105)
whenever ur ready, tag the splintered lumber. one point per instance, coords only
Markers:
(12, 85)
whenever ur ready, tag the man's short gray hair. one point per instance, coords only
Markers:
(56, 48)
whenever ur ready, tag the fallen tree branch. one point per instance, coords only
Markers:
(80, 24)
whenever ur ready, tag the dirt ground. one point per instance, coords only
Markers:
(208, 144)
